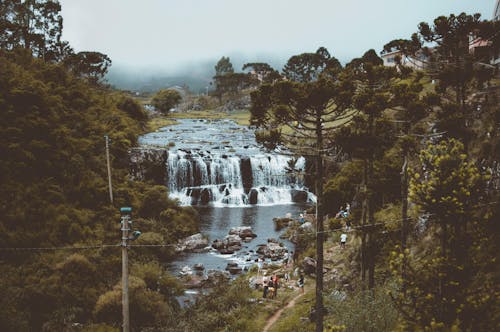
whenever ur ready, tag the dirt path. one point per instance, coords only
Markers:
(277, 314)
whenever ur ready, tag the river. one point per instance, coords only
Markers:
(217, 167)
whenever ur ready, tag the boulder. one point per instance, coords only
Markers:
(242, 232)
(232, 240)
(309, 265)
(218, 244)
(215, 277)
(191, 243)
(205, 196)
(299, 196)
(199, 267)
(280, 223)
(272, 250)
(252, 196)
(307, 226)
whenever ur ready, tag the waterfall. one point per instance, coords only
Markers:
(203, 177)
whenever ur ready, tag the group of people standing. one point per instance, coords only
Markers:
(271, 286)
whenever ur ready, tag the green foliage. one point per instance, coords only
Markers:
(90, 65)
(448, 187)
(224, 66)
(448, 183)
(164, 100)
(53, 174)
(362, 311)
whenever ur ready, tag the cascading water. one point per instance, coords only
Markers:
(217, 179)
(218, 163)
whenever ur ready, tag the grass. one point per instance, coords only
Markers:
(240, 117)
(159, 122)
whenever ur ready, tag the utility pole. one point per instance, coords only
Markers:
(125, 223)
(109, 170)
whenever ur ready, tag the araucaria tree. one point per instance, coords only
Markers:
(447, 186)
(301, 113)
(366, 138)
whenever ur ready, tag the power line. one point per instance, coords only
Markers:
(101, 246)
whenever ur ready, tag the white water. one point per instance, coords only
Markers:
(217, 179)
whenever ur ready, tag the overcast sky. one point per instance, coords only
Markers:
(172, 33)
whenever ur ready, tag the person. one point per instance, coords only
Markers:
(301, 283)
(265, 282)
(348, 224)
(343, 239)
(301, 220)
(275, 284)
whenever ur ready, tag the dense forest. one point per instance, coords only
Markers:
(414, 150)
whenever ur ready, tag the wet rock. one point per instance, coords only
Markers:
(226, 251)
(242, 232)
(232, 240)
(246, 174)
(299, 196)
(218, 244)
(199, 267)
(272, 250)
(205, 196)
(252, 196)
(280, 223)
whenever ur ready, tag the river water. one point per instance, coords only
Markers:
(218, 167)
(216, 222)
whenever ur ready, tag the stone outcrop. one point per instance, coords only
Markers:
(272, 250)
(192, 243)
(148, 164)
(242, 232)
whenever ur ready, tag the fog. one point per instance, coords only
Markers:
(167, 38)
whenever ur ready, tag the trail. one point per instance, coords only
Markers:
(277, 314)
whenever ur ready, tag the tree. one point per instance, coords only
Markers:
(307, 67)
(367, 137)
(262, 71)
(32, 24)
(224, 66)
(164, 100)
(448, 60)
(227, 81)
(302, 114)
(91, 65)
(447, 187)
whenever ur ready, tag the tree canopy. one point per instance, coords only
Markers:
(165, 100)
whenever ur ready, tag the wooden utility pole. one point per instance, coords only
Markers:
(109, 170)
(125, 223)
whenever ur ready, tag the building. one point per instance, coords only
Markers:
(418, 61)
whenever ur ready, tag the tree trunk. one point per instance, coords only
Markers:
(319, 227)
(404, 217)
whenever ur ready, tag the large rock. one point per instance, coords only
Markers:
(232, 240)
(246, 174)
(252, 196)
(148, 164)
(272, 250)
(242, 232)
(191, 243)
(309, 265)
(215, 277)
(299, 196)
